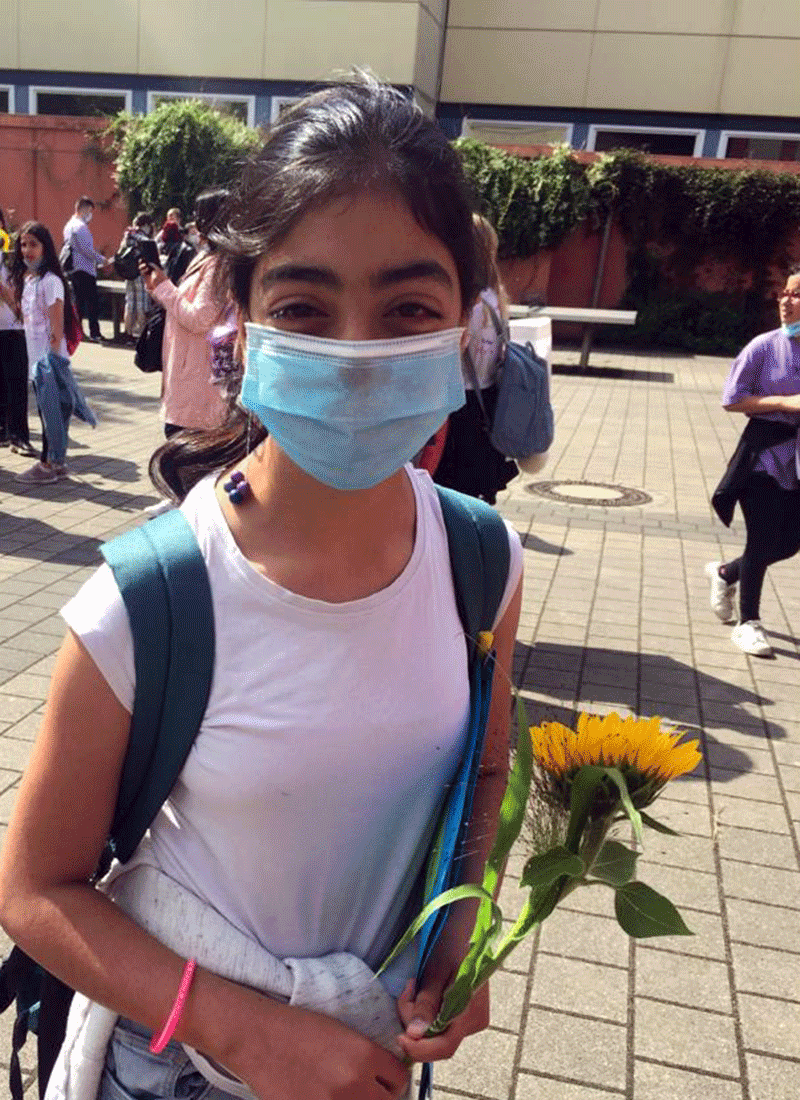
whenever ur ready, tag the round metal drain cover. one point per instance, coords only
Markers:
(596, 493)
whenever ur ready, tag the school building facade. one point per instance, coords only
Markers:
(713, 78)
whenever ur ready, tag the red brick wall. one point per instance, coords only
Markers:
(47, 163)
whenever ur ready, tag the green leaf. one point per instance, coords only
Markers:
(615, 864)
(515, 801)
(642, 912)
(657, 826)
(543, 870)
(457, 893)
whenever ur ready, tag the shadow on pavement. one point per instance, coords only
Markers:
(116, 469)
(626, 374)
(557, 669)
(533, 542)
(32, 538)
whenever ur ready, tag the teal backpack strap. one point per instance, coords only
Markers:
(163, 580)
(479, 559)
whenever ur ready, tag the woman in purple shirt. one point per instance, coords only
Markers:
(764, 384)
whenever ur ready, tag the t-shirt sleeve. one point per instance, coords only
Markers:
(97, 615)
(743, 377)
(514, 571)
(52, 289)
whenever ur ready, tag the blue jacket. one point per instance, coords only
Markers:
(58, 397)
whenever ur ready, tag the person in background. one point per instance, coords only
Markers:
(40, 292)
(85, 262)
(189, 398)
(764, 384)
(469, 463)
(176, 252)
(136, 297)
(174, 218)
(13, 366)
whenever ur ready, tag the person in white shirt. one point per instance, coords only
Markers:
(340, 692)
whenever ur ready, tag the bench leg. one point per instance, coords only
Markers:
(586, 346)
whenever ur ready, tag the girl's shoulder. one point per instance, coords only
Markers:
(50, 284)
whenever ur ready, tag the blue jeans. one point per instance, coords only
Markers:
(132, 1073)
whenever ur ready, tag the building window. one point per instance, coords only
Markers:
(242, 107)
(734, 146)
(279, 104)
(6, 99)
(78, 101)
(501, 132)
(673, 143)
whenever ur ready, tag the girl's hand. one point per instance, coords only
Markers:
(418, 1013)
(317, 1059)
(152, 276)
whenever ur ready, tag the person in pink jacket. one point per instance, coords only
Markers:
(189, 398)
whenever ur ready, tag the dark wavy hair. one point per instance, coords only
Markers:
(49, 256)
(352, 137)
(209, 211)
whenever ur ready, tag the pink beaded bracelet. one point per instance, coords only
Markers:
(158, 1042)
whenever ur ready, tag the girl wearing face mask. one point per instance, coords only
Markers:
(38, 284)
(763, 475)
(337, 710)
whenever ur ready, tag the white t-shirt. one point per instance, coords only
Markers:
(38, 295)
(304, 809)
(8, 318)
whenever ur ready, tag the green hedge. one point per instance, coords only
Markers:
(691, 213)
(166, 158)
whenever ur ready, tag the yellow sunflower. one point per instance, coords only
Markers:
(647, 756)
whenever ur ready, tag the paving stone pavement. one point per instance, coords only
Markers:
(615, 617)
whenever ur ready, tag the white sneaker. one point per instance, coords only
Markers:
(722, 593)
(750, 638)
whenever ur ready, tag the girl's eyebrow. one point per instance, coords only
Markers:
(324, 276)
(421, 269)
(301, 273)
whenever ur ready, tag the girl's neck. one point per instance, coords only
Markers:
(283, 494)
(317, 541)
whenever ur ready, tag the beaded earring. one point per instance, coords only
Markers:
(236, 486)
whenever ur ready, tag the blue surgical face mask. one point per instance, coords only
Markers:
(351, 413)
(791, 330)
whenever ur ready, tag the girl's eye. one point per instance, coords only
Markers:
(416, 311)
(294, 311)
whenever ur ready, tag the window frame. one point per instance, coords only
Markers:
(517, 124)
(278, 101)
(211, 97)
(722, 146)
(699, 135)
(35, 89)
(10, 89)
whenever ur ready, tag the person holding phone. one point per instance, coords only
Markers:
(189, 399)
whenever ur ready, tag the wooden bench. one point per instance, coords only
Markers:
(116, 291)
(587, 317)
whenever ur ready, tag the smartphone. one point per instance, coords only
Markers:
(148, 252)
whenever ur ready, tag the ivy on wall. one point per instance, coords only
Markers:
(674, 217)
(166, 158)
